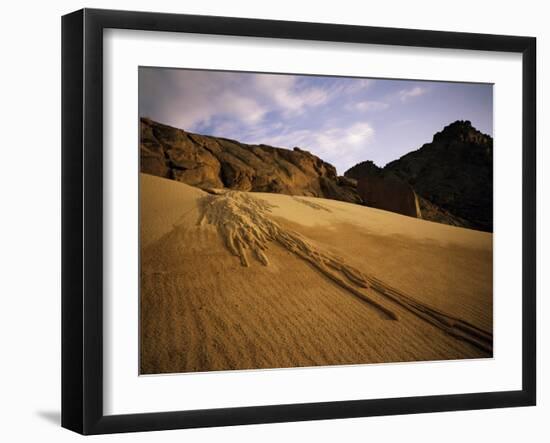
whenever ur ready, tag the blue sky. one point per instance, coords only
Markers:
(342, 120)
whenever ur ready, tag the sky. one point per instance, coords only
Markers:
(342, 120)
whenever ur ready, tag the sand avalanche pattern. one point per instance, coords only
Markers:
(244, 223)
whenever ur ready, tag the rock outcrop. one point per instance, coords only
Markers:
(389, 193)
(215, 162)
(364, 169)
(452, 176)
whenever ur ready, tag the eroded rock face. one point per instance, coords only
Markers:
(215, 162)
(389, 193)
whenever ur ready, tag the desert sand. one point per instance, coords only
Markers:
(246, 280)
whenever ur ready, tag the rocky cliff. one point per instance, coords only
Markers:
(452, 176)
(388, 192)
(215, 162)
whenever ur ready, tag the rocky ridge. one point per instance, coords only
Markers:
(447, 181)
(215, 162)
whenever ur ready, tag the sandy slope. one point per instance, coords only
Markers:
(248, 280)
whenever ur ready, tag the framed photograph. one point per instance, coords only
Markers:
(268, 221)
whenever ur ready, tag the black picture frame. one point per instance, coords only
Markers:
(82, 218)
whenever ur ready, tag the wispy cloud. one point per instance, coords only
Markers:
(369, 105)
(350, 86)
(196, 97)
(285, 93)
(407, 94)
(192, 99)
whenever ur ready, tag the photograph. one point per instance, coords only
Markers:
(291, 220)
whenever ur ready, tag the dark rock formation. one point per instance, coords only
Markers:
(454, 172)
(363, 169)
(434, 213)
(215, 162)
(452, 176)
(389, 193)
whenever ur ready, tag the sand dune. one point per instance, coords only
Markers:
(236, 280)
